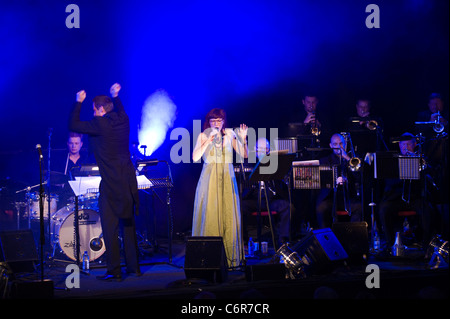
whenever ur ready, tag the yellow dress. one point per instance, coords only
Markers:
(216, 207)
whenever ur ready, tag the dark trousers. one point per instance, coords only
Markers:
(324, 212)
(279, 205)
(111, 225)
(388, 215)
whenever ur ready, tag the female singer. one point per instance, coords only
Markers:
(216, 206)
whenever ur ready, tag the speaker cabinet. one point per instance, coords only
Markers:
(205, 259)
(321, 251)
(354, 238)
(32, 289)
(18, 249)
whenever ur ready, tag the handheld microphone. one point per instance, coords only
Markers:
(38, 147)
(217, 137)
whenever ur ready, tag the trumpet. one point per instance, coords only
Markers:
(438, 127)
(315, 130)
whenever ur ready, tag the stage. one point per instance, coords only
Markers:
(407, 277)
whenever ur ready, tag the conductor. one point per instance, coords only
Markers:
(108, 133)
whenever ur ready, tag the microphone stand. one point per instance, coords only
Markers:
(334, 210)
(48, 186)
(41, 215)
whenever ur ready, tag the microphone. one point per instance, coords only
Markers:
(38, 147)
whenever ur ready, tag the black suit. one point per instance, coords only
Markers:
(119, 198)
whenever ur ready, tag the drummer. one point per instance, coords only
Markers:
(74, 158)
(73, 161)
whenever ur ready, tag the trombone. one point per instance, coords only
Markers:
(372, 125)
(354, 163)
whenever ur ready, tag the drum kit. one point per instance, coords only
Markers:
(61, 219)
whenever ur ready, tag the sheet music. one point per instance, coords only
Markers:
(143, 182)
(89, 184)
(306, 163)
(81, 184)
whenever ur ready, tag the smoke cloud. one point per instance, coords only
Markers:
(157, 116)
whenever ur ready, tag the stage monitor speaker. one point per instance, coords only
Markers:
(354, 238)
(206, 259)
(18, 250)
(320, 251)
(37, 289)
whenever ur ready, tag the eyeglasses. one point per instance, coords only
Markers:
(215, 121)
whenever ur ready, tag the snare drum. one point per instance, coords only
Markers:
(90, 231)
(34, 205)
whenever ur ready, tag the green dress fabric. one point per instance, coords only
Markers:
(216, 207)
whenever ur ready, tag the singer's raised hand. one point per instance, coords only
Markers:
(243, 129)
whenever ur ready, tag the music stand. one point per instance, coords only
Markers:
(161, 182)
(261, 174)
(392, 165)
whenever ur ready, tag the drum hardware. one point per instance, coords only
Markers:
(97, 243)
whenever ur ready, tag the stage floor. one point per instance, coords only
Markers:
(408, 277)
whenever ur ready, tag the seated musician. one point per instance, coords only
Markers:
(347, 192)
(404, 195)
(71, 165)
(278, 197)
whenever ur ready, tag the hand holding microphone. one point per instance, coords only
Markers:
(214, 135)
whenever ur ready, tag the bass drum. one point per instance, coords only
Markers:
(90, 231)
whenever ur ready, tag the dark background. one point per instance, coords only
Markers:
(255, 59)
